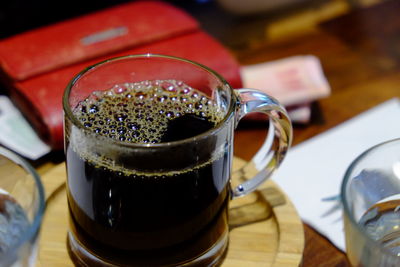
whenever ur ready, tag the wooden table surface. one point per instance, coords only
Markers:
(359, 49)
(360, 54)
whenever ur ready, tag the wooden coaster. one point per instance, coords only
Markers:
(265, 227)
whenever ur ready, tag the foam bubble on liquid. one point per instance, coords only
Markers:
(139, 113)
(147, 104)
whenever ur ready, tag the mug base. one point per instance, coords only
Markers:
(81, 256)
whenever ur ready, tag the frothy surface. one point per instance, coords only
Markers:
(141, 112)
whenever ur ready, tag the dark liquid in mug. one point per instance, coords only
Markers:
(129, 217)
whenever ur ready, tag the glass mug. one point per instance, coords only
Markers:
(148, 143)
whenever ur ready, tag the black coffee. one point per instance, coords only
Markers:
(161, 217)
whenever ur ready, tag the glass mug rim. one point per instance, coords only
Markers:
(36, 223)
(229, 112)
(345, 201)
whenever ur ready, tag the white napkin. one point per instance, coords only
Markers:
(314, 169)
(17, 134)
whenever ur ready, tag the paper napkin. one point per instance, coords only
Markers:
(313, 170)
(17, 134)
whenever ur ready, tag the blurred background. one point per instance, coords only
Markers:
(237, 24)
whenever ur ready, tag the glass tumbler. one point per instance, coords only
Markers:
(370, 196)
(22, 205)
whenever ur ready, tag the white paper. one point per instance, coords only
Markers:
(17, 134)
(314, 169)
(300, 114)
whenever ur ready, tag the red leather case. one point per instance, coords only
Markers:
(37, 65)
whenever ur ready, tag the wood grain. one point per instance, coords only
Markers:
(267, 230)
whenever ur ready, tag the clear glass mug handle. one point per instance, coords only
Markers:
(279, 138)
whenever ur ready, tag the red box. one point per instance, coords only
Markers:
(37, 65)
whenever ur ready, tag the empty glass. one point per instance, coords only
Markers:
(371, 201)
(22, 205)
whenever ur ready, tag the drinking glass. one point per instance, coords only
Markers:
(21, 209)
(165, 202)
(371, 202)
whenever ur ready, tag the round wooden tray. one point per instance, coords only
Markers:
(265, 227)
